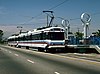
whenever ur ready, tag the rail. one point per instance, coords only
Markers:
(96, 47)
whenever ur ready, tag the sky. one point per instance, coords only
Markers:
(15, 13)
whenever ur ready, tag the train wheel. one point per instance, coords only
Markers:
(46, 50)
(27, 47)
(40, 49)
(19, 46)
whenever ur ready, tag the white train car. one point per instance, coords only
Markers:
(45, 39)
(12, 41)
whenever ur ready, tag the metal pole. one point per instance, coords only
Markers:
(20, 28)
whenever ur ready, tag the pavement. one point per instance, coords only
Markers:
(22, 61)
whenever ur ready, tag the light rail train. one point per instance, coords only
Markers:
(45, 39)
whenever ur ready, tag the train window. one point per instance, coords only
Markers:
(36, 37)
(55, 29)
(45, 36)
(31, 37)
(24, 38)
(56, 35)
(53, 36)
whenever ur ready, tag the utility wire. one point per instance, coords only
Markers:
(74, 19)
(48, 9)
(52, 8)
(58, 5)
(33, 18)
(91, 15)
(95, 14)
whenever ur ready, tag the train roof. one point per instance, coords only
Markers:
(11, 37)
(49, 29)
(36, 31)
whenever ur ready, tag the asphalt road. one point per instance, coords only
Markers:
(21, 61)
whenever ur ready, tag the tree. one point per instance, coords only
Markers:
(79, 35)
(1, 34)
(98, 33)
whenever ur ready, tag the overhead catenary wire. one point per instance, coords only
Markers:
(47, 9)
(58, 5)
(33, 18)
(74, 19)
(98, 13)
(55, 6)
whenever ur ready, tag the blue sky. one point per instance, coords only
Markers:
(14, 13)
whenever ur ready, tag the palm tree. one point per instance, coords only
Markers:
(98, 33)
(79, 35)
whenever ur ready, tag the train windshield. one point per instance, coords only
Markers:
(56, 35)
